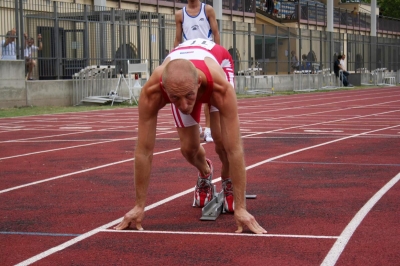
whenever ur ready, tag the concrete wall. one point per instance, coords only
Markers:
(15, 91)
(49, 92)
(12, 83)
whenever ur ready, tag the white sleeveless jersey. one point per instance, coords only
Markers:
(197, 26)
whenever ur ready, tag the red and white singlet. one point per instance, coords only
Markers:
(196, 51)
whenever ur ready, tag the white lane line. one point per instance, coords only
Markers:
(72, 147)
(321, 123)
(104, 227)
(345, 236)
(279, 118)
(250, 135)
(11, 127)
(79, 128)
(94, 231)
(248, 167)
(65, 148)
(62, 176)
(317, 145)
(50, 136)
(323, 131)
(217, 234)
(275, 118)
(77, 172)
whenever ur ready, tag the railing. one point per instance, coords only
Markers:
(75, 36)
(314, 13)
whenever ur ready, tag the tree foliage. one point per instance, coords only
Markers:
(388, 8)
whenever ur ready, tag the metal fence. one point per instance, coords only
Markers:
(76, 36)
(311, 12)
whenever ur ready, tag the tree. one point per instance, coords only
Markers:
(388, 8)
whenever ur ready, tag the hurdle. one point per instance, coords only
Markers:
(380, 76)
(298, 77)
(261, 84)
(384, 78)
(389, 78)
(368, 78)
(91, 84)
(328, 79)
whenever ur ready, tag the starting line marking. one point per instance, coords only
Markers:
(36, 233)
(215, 233)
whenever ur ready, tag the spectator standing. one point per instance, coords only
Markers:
(29, 50)
(8, 46)
(354, 16)
(270, 6)
(294, 61)
(277, 8)
(198, 20)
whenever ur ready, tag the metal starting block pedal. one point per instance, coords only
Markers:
(214, 208)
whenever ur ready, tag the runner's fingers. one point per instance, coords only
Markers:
(122, 225)
(139, 226)
(240, 229)
(256, 228)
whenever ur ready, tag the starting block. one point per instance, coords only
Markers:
(215, 207)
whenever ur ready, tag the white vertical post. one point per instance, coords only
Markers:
(373, 17)
(217, 5)
(329, 17)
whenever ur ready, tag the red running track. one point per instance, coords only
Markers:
(324, 166)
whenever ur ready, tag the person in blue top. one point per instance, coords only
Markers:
(8, 46)
(277, 7)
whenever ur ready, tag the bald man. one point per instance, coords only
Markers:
(197, 71)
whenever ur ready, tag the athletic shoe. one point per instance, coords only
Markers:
(204, 190)
(201, 132)
(207, 135)
(227, 186)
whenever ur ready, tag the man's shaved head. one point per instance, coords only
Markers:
(179, 71)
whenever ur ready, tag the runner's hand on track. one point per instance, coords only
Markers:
(243, 218)
(135, 215)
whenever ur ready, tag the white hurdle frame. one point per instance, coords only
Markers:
(298, 76)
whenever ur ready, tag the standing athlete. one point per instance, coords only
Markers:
(197, 20)
(196, 72)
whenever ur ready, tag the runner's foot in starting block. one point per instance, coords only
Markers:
(219, 204)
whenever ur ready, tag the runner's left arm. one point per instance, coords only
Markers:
(224, 99)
